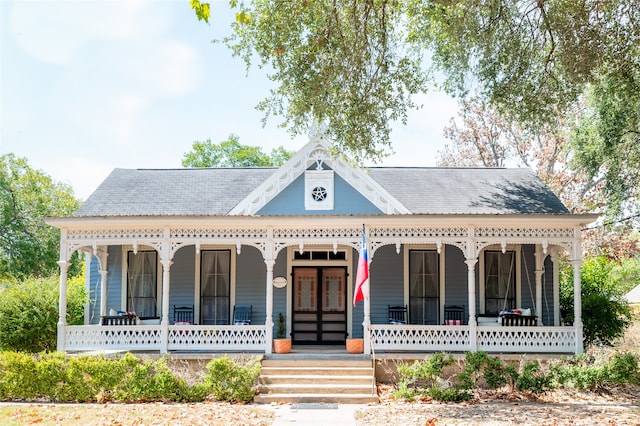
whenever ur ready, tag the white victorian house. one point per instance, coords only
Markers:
(174, 256)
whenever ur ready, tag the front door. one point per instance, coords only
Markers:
(319, 305)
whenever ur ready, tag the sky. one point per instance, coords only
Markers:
(87, 86)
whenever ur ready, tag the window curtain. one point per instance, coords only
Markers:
(142, 280)
(214, 286)
(500, 290)
(424, 287)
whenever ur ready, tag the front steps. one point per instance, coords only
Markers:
(317, 379)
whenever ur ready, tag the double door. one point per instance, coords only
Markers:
(319, 305)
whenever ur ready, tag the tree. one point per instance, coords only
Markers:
(29, 312)
(29, 247)
(355, 66)
(231, 153)
(487, 138)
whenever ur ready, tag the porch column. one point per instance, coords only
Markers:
(539, 256)
(473, 323)
(103, 292)
(556, 287)
(577, 304)
(102, 261)
(62, 305)
(269, 308)
(366, 321)
(166, 267)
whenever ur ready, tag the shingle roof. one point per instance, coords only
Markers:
(198, 192)
(174, 192)
(469, 190)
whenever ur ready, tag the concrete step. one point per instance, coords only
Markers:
(360, 363)
(318, 371)
(364, 398)
(316, 388)
(305, 379)
(296, 379)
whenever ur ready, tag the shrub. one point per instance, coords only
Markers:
(605, 313)
(52, 377)
(29, 313)
(232, 381)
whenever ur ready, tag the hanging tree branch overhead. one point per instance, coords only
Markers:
(355, 64)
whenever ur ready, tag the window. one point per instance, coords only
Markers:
(215, 267)
(142, 283)
(424, 286)
(500, 281)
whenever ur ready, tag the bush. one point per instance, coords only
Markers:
(586, 373)
(50, 376)
(605, 313)
(232, 381)
(29, 313)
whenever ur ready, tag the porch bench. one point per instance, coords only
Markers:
(519, 320)
(119, 320)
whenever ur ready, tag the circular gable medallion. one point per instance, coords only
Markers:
(319, 193)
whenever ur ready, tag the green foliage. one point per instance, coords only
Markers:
(586, 373)
(53, 377)
(151, 380)
(281, 330)
(425, 378)
(29, 247)
(340, 63)
(29, 312)
(356, 66)
(605, 313)
(232, 381)
(231, 153)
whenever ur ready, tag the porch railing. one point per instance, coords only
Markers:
(458, 338)
(181, 337)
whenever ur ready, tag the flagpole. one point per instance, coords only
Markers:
(366, 323)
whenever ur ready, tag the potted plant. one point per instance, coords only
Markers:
(281, 345)
(355, 345)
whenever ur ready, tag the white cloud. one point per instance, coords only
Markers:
(54, 31)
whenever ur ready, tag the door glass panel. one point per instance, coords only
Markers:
(334, 290)
(305, 290)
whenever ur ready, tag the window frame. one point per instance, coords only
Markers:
(407, 248)
(124, 295)
(198, 281)
(516, 249)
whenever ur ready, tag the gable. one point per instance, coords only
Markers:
(291, 200)
(315, 154)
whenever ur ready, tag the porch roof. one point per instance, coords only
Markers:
(216, 191)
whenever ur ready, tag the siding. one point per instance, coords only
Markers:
(455, 284)
(387, 286)
(290, 201)
(280, 294)
(182, 285)
(528, 279)
(547, 293)
(251, 278)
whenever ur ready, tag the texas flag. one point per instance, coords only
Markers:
(363, 271)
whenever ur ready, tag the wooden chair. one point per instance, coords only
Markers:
(242, 315)
(454, 314)
(183, 314)
(398, 314)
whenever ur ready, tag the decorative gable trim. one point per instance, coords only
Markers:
(316, 152)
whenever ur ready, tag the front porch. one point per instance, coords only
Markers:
(383, 338)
